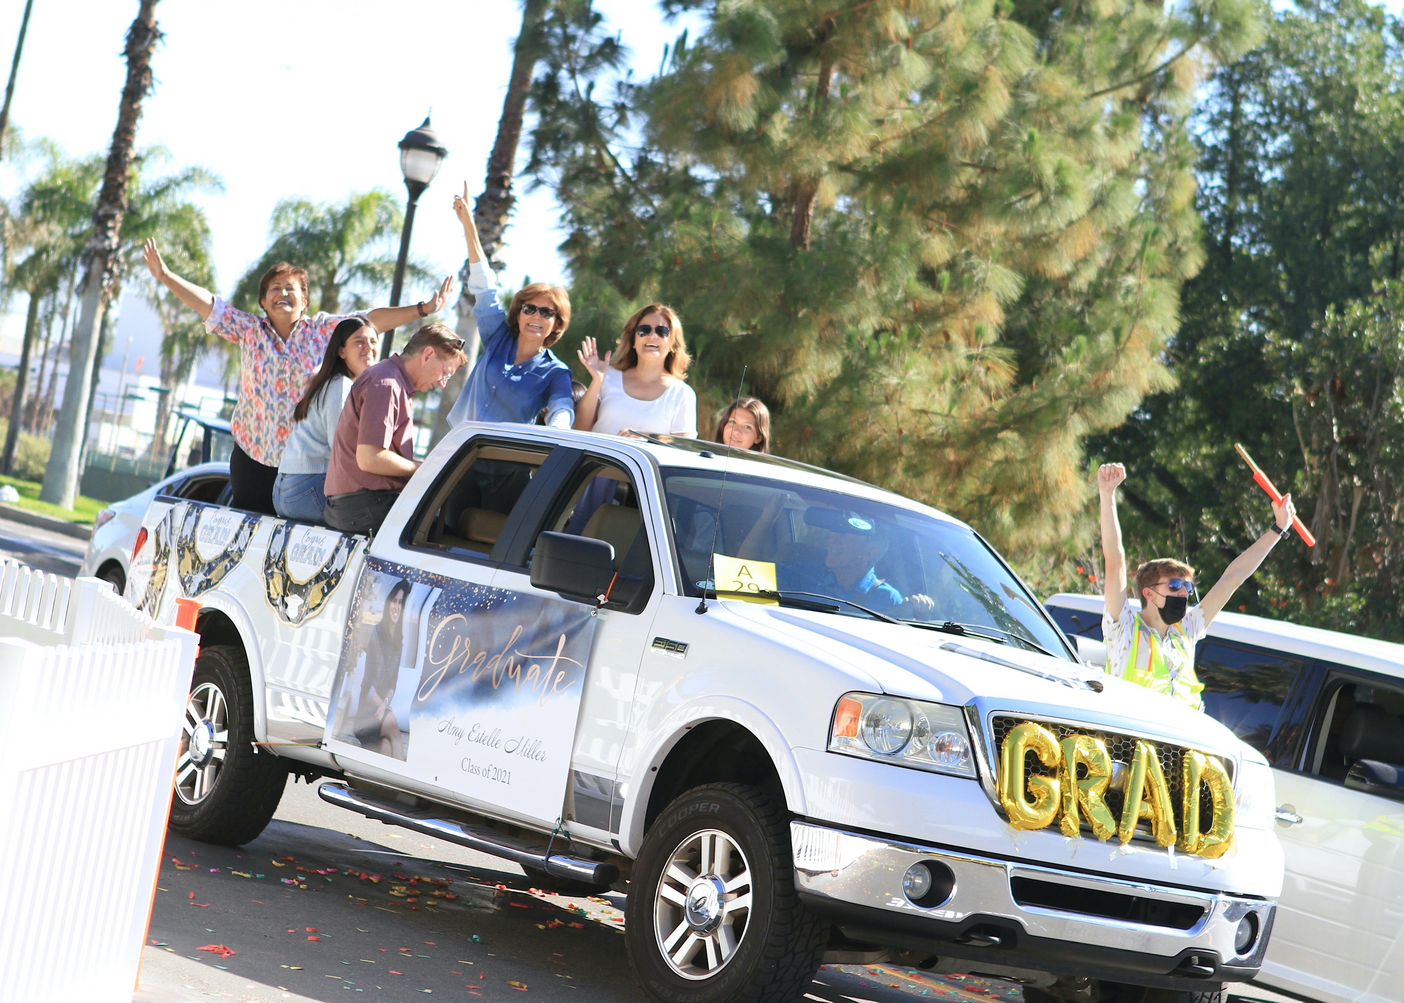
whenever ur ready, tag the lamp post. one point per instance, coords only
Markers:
(421, 153)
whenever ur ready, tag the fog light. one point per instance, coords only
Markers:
(916, 883)
(1246, 935)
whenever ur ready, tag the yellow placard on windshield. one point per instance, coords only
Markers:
(737, 578)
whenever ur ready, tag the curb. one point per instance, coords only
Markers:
(75, 530)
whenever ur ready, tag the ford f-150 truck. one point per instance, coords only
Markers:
(794, 716)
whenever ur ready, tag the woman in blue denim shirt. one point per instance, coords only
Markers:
(517, 374)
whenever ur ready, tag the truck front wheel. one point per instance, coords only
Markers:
(225, 791)
(712, 913)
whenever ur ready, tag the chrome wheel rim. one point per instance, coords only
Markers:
(204, 743)
(702, 906)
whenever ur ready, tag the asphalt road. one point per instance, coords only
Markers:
(326, 902)
(41, 548)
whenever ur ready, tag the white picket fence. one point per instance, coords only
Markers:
(92, 694)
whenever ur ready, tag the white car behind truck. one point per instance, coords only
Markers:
(626, 662)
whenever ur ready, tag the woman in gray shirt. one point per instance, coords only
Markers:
(300, 490)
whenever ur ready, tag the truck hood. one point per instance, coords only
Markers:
(932, 665)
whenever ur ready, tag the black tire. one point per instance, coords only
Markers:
(770, 949)
(112, 573)
(225, 791)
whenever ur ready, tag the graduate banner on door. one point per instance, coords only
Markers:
(474, 689)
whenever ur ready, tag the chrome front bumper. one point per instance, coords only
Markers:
(1054, 916)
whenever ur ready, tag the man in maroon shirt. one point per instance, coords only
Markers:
(373, 452)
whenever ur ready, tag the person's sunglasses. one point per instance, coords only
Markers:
(644, 330)
(531, 309)
(1175, 584)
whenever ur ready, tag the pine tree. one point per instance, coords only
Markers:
(955, 229)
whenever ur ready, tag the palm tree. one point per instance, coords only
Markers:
(14, 72)
(160, 208)
(101, 259)
(46, 236)
(347, 248)
(492, 210)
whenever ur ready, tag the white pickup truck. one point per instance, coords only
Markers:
(796, 717)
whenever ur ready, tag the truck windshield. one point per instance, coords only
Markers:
(795, 538)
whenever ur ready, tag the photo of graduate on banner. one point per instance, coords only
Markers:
(476, 689)
(383, 645)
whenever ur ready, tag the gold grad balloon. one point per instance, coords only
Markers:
(1023, 814)
(1087, 796)
(1206, 770)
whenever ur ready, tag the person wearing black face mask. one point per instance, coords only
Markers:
(1154, 647)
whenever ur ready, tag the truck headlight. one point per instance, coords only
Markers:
(1255, 796)
(924, 736)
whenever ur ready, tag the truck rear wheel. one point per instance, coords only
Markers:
(712, 913)
(225, 791)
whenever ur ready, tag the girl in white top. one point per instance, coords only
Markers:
(642, 390)
(300, 489)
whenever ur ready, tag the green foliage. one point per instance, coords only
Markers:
(31, 455)
(84, 511)
(1290, 338)
(348, 249)
(959, 227)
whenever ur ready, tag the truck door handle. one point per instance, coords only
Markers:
(1286, 815)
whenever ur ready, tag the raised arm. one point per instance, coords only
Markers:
(386, 317)
(1243, 566)
(588, 407)
(1109, 476)
(470, 229)
(197, 298)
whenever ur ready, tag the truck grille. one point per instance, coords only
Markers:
(1121, 747)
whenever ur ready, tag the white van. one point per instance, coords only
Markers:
(1327, 710)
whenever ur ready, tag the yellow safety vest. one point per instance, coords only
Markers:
(1157, 672)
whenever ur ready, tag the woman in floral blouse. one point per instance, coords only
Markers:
(279, 354)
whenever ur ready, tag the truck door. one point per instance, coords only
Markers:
(601, 497)
(451, 682)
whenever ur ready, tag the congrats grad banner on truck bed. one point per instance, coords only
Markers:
(474, 689)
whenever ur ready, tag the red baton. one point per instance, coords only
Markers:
(1276, 495)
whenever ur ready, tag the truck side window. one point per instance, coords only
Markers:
(469, 506)
(602, 504)
(1245, 688)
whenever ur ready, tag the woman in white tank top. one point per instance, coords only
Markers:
(640, 385)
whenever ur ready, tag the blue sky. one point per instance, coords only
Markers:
(296, 99)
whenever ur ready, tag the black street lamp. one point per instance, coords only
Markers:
(421, 153)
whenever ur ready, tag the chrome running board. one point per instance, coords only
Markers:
(481, 838)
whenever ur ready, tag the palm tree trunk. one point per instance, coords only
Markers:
(61, 477)
(492, 210)
(14, 72)
(36, 402)
(31, 325)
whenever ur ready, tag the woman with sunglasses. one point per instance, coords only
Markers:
(642, 389)
(517, 375)
(1154, 647)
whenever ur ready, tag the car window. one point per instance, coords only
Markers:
(1357, 718)
(204, 489)
(601, 501)
(468, 508)
(1245, 688)
(1077, 623)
